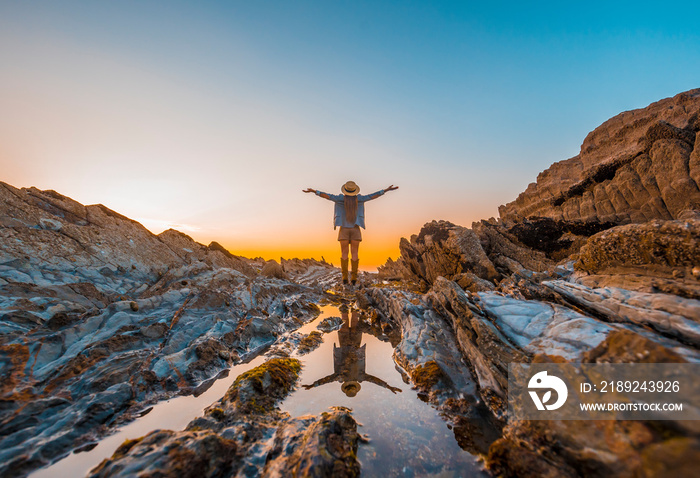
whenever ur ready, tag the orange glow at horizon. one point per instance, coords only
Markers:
(374, 250)
(370, 257)
(312, 234)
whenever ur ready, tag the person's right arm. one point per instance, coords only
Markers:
(322, 381)
(322, 194)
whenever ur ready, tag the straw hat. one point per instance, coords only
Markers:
(351, 387)
(350, 189)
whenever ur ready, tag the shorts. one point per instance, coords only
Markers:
(350, 234)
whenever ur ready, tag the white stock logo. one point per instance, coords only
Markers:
(542, 380)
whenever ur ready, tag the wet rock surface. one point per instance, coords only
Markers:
(631, 307)
(597, 262)
(99, 317)
(244, 434)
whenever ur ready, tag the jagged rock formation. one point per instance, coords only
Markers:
(475, 258)
(605, 447)
(561, 321)
(574, 281)
(99, 317)
(638, 166)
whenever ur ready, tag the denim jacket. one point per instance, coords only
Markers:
(339, 212)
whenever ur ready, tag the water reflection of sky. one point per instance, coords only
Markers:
(407, 436)
(173, 414)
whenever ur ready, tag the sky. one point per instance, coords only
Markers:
(212, 117)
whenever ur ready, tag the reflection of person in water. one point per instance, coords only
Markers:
(349, 359)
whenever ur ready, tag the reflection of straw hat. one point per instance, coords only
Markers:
(350, 189)
(350, 388)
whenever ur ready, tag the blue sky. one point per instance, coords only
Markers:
(213, 116)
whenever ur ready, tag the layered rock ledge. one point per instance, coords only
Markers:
(638, 166)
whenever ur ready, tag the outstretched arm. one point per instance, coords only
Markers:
(322, 381)
(381, 192)
(380, 382)
(318, 193)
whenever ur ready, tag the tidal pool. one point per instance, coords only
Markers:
(407, 437)
(173, 414)
(353, 367)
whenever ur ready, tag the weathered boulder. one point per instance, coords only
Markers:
(670, 248)
(666, 313)
(315, 446)
(425, 337)
(640, 165)
(443, 249)
(273, 270)
(543, 328)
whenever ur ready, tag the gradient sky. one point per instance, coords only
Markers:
(211, 117)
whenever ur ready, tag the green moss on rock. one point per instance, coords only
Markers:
(257, 390)
(125, 447)
(310, 342)
(426, 376)
(217, 413)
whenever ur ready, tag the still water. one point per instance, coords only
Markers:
(353, 367)
(407, 436)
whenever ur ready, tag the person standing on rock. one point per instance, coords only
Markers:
(349, 215)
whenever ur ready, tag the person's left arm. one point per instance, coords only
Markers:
(380, 382)
(381, 192)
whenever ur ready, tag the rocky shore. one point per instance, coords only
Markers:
(599, 262)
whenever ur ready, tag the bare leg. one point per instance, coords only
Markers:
(355, 250)
(344, 247)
